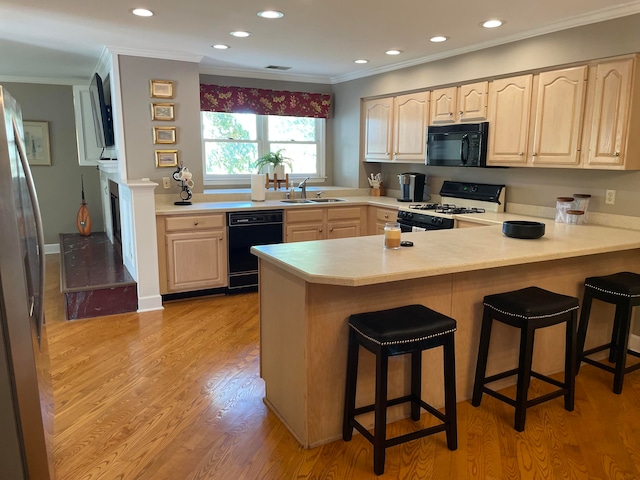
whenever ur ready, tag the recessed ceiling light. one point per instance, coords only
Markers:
(438, 39)
(142, 12)
(393, 52)
(240, 34)
(361, 60)
(492, 23)
(270, 14)
(220, 46)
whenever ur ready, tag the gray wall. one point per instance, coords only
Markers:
(58, 186)
(526, 185)
(135, 74)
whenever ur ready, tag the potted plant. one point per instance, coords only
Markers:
(275, 161)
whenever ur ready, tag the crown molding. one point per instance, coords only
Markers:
(44, 80)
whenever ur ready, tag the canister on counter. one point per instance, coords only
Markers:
(562, 205)
(581, 202)
(575, 217)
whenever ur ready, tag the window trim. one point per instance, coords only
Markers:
(245, 179)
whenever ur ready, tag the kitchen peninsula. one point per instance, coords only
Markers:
(309, 289)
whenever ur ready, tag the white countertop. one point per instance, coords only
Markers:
(363, 260)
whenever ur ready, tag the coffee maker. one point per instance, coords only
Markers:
(411, 186)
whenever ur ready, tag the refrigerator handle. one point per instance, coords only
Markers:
(39, 230)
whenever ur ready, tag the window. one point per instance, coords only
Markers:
(233, 141)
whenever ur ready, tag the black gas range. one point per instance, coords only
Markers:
(469, 198)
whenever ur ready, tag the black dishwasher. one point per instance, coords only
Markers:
(244, 230)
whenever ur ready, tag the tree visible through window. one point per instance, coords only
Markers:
(233, 141)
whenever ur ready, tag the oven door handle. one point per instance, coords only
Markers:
(463, 142)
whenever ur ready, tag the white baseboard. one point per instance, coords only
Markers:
(634, 343)
(51, 248)
(149, 304)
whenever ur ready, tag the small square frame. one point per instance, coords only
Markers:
(166, 158)
(161, 88)
(36, 139)
(165, 135)
(162, 111)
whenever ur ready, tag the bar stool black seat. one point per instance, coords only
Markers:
(404, 330)
(528, 309)
(623, 290)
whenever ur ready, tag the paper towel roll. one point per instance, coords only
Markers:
(257, 187)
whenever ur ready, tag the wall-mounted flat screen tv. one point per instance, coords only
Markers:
(101, 108)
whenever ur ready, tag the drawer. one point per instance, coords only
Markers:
(386, 215)
(343, 213)
(304, 216)
(194, 222)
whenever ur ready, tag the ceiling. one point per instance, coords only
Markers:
(61, 41)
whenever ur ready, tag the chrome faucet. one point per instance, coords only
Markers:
(303, 186)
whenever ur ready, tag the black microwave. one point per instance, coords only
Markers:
(459, 145)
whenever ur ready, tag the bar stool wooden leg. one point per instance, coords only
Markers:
(524, 376)
(623, 320)
(483, 353)
(350, 390)
(585, 312)
(380, 426)
(449, 358)
(570, 362)
(416, 384)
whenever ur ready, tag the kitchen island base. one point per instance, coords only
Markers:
(304, 331)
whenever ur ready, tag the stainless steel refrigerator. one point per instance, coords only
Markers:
(26, 400)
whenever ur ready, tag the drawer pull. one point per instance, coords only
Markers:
(195, 223)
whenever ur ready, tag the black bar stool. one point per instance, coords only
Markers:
(398, 331)
(623, 290)
(527, 309)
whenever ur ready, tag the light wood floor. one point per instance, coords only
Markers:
(177, 395)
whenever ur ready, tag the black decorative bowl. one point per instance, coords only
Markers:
(523, 229)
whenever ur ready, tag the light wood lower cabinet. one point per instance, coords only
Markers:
(192, 252)
(303, 224)
(378, 216)
(467, 224)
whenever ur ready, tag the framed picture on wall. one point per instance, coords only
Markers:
(162, 111)
(36, 140)
(161, 88)
(166, 158)
(164, 135)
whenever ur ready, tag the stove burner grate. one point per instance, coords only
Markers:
(446, 208)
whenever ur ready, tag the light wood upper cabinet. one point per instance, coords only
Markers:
(548, 135)
(466, 103)
(378, 129)
(613, 114)
(509, 116)
(558, 117)
(395, 128)
(443, 105)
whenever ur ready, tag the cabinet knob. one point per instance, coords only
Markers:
(451, 114)
(521, 153)
(460, 113)
(320, 230)
(535, 154)
(331, 229)
(386, 215)
(616, 154)
(220, 238)
(195, 223)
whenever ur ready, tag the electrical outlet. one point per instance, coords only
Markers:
(165, 182)
(610, 197)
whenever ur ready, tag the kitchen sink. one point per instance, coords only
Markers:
(326, 200)
(297, 200)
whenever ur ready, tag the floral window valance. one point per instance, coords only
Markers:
(215, 98)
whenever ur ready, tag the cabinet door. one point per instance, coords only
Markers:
(344, 229)
(411, 117)
(509, 114)
(302, 232)
(608, 126)
(472, 102)
(378, 129)
(443, 105)
(558, 119)
(196, 260)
